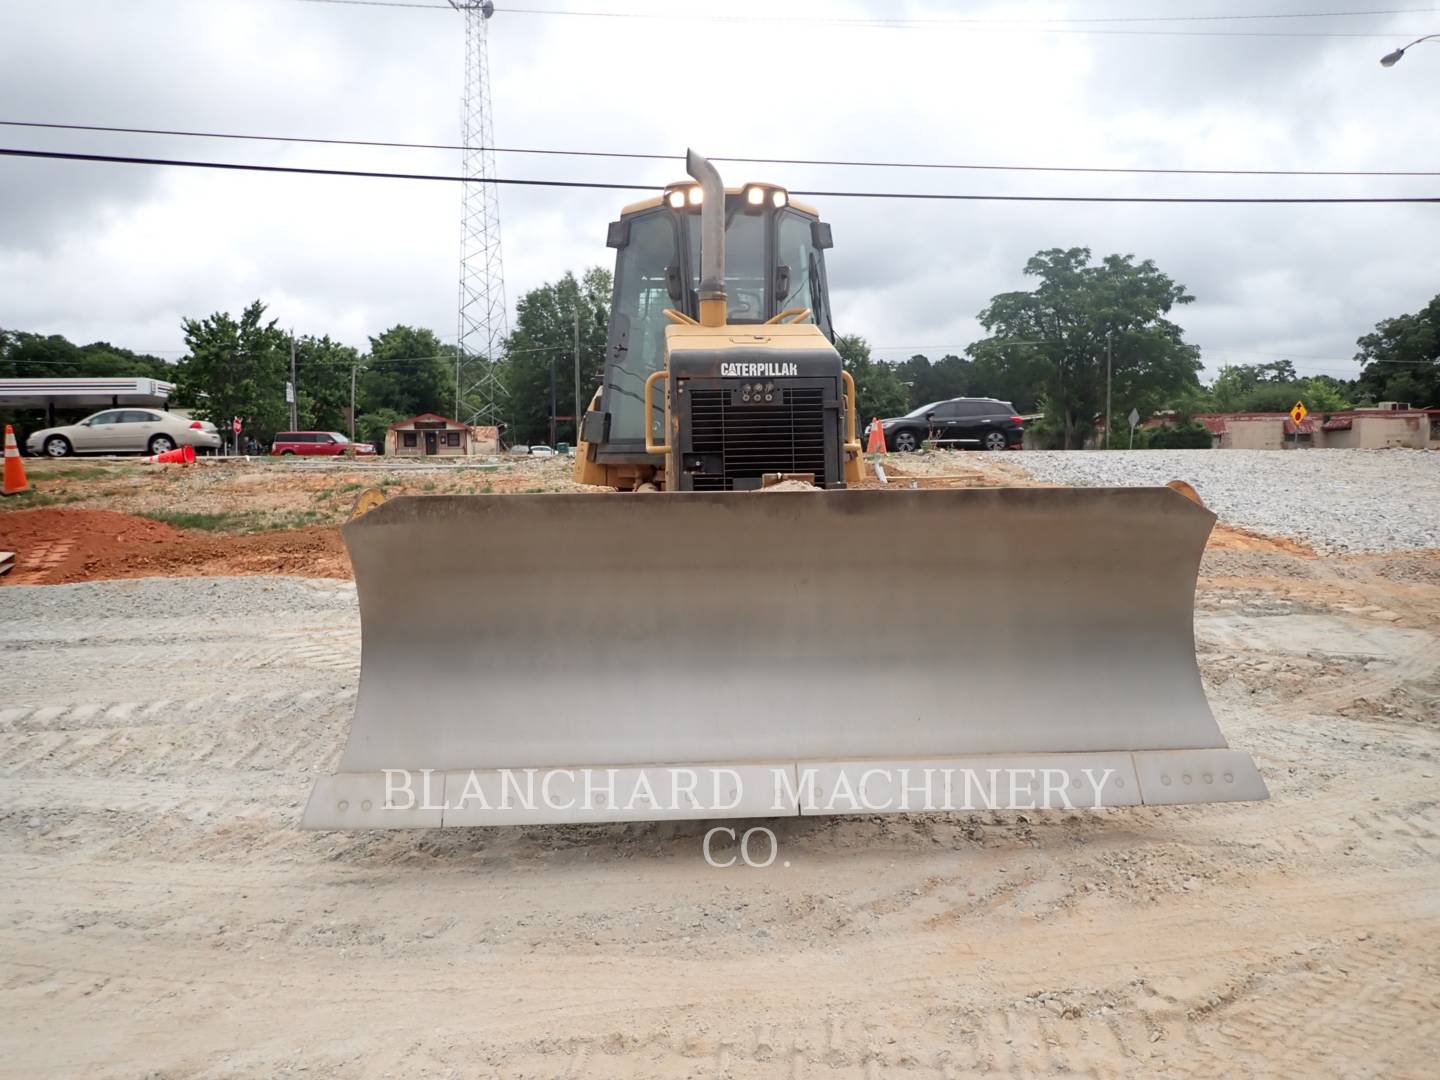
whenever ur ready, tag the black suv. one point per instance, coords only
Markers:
(982, 423)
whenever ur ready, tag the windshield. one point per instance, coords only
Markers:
(338, 437)
(919, 414)
(744, 264)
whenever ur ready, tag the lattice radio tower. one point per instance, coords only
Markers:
(479, 394)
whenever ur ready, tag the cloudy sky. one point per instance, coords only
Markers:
(121, 252)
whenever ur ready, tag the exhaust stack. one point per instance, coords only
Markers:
(713, 308)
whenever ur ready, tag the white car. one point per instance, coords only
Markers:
(120, 431)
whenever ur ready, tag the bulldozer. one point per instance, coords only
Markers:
(737, 624)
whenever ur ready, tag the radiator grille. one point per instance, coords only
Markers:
(786, 437)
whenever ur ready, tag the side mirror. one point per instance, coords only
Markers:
(672, 283)
(782, 284)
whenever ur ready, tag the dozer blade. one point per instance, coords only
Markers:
(785, 645)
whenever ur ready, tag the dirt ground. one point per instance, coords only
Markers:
(161, 915)
(97, 520)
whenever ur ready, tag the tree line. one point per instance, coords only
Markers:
(1046, 351)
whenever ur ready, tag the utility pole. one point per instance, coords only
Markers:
(353, 368)
(294, 389)
(579, 405)
(1109, 356)
(553, 361)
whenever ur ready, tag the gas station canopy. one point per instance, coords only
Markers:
(52, 394)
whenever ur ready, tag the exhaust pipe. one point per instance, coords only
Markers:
(713, 308)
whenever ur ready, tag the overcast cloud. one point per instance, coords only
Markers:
(121, 253)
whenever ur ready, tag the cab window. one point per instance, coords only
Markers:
(795, 251)
(637, 343)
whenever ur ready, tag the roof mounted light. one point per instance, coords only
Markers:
(755, 196)
(779, 198)
(677, 199)
(697, 195)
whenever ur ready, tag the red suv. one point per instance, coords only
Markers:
(315, 443)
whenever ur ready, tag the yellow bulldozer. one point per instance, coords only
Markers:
(710, 641)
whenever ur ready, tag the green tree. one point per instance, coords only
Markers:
(236, 368)
(33, 356)
(878, 389)
(1401, 358)
(408, 371)
(372, 427)
(322, 380)
(544, 340)
(1238, 385)
(1274, 387)
(950, 376)
(1049, 345)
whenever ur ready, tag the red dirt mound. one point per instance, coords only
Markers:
(54, 546)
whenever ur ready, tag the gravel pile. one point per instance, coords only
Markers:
(1333, 500)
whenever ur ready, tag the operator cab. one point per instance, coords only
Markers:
(774, 262)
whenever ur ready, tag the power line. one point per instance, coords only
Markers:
(298, 170)
(1059, 25)
(601, 185)
(836, 162)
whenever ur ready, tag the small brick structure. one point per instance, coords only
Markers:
(433, 435)
(1357, 429)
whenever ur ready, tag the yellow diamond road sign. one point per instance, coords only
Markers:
(1299, 412)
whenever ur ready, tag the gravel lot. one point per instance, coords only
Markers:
(1335, 500)
(161, 915)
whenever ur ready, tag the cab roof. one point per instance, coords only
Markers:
(659, 200)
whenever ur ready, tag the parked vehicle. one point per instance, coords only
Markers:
(316, 444)
(981, 423)
(125, 431)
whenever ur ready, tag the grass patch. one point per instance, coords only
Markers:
(76, 472)
(242, 521)
(33, 500)
(205, 521)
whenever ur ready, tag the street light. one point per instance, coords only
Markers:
(1391, 59)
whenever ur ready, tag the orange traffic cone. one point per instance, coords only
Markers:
(183, 455)
(876, 445)
(15, 481)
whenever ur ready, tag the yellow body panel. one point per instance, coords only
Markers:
(777, 337)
